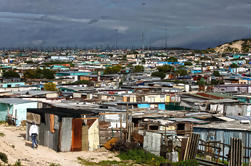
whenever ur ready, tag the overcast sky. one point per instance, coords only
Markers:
(90, 23)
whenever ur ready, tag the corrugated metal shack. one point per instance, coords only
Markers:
(112, 124)
(64, 129)
(223, 131)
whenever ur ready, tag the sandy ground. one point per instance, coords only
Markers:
(16, 147)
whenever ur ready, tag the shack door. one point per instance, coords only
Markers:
(76, 135)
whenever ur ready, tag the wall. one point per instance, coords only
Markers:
(152, 142)
(4, 109)
(93, 136)
(217, 108)
(22, 111)
(143, 105)
(238, 110)
(162, 107)
(66, 135)
(51, 95)
(12, 84)
(224, 136)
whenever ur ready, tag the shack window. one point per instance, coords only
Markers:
(153, 127)
(180, 129)
(181, 126)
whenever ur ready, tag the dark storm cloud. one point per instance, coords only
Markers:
(185, 23)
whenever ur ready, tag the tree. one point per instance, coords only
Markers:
(216, 73)
(182, 72)
(39, 74)
(83, 82)
(201, 82)
(161, 75)
(11, 74)
(172, 59)
(165, 68)
(216, 82)
(50, 86)
(234, 65)
(138, 69)
(143, 60)
(187, 63)
(113, 69)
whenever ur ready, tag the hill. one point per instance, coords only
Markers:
(236, 46)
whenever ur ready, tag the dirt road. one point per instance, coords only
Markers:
(16, 147)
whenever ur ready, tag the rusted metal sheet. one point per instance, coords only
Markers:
(52, 123)
(109, 144)
(76, 134)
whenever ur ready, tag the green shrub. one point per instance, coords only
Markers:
(18, 163)
(141, 157)
(187, 163)
(3, 157)
(53, 164)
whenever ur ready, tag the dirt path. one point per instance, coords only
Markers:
(16, 147)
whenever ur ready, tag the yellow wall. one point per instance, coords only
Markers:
(167, 99)
(93, 136)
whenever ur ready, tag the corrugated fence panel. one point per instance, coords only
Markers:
(152, 142)
(56, 122)
(41, 134)
(66, 135)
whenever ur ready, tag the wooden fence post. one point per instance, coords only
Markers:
(236, 152)
(191, 147)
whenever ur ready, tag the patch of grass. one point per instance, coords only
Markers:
(2, 134)
(3, 157)
(2, 122)
(53, 164)
(18, 163)
(104, 163)
(142, 157)
(186, 163)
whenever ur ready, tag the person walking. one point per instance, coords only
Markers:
(33, 133)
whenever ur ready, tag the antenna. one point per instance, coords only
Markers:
(143, 41)
(165, 37)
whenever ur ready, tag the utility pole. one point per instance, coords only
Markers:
(143, 41)
(165, 37)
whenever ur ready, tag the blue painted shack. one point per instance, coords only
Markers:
(224, 131)
(15, 109)
(11, 84)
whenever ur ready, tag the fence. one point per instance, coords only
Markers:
(221, 153)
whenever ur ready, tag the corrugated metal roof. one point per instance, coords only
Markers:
(232, 125)
(239, 118)
(14, 101)
(188, 120)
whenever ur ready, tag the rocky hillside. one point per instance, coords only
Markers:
(237, 46)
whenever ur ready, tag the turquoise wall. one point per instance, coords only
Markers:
(143, 105)
(20, 108)
(12, 84)
(3, 111)
(22, 111)
(162, 107)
